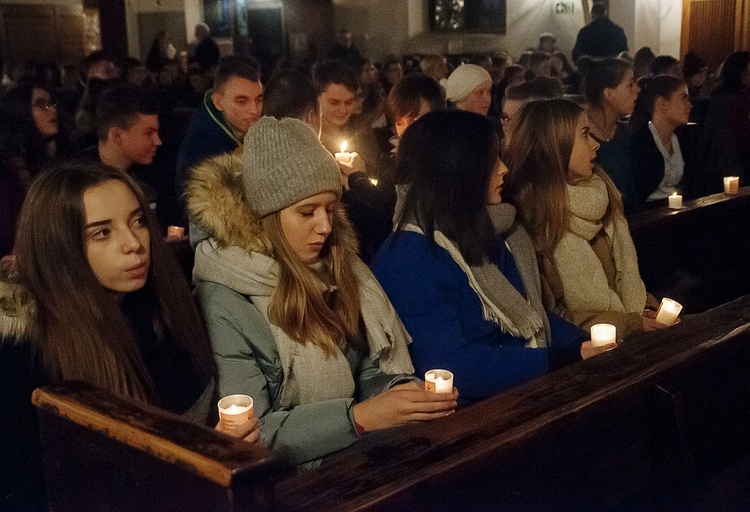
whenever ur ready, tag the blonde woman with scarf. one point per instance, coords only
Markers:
(573, 213)
(296, 320)
(460, 271)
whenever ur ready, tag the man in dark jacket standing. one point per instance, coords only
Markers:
(600, 38)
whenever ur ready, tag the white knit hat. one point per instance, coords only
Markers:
(464, 79)
(284, 162)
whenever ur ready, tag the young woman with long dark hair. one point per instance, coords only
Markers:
(96, 297)
(31, 137)
(460, 271)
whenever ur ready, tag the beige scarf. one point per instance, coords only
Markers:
(584, 281)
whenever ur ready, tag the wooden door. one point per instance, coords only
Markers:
(714, 28)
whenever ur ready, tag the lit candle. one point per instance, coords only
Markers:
(675, 201)
(668, 311)
(603, 334)
(234, 410)
(175, 232)
(374, 181)
(343, 156)
(731, 184)
(438, 381)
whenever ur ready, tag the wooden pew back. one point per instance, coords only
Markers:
(698, 255)
(103, 452)
(594, 436)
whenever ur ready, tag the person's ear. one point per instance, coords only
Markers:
(660, 103)
(114, 135)
(217, 98)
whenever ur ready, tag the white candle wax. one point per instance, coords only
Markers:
(731, 184)
(675, 201)
(438, 381)
(343, 156)
(668, 311)
(234, 410)
(603, 334)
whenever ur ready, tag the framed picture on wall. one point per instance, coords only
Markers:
(486, 16)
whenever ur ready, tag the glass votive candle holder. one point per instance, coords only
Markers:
(235, 410)
(603, 334)
(438, 381)
(668, 311)
(731, 185)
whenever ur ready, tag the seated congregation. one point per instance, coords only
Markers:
(327, 283)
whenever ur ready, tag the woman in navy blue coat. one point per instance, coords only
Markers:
(461, 273)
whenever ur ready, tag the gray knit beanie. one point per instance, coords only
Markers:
(284, 162)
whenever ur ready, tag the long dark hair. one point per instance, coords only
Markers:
(446, 157)
(83, 334)
(19, 134)
(652, 88)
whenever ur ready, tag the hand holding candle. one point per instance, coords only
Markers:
(668, 311)
(603, 335)
(438, 381)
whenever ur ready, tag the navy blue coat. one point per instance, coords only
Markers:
(443, 315)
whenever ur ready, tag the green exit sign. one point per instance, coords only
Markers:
(565, 8)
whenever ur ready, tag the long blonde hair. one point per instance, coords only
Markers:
(538, 158)
(321, 307)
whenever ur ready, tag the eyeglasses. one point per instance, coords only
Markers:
(44, 104)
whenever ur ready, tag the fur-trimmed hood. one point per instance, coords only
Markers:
(18, 309)
(216, 202)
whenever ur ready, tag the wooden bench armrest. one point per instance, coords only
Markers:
(204, 451)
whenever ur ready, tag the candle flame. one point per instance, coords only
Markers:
(343, 147)
(374, 181)
(674, 194)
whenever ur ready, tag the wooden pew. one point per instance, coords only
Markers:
(698, 255)
(660, 423)
(103, 452)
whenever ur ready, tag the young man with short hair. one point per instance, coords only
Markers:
(228, 111)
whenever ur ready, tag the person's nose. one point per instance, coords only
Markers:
(323, 226)
(130, 242)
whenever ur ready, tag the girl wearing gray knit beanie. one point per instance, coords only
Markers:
(296, 320)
